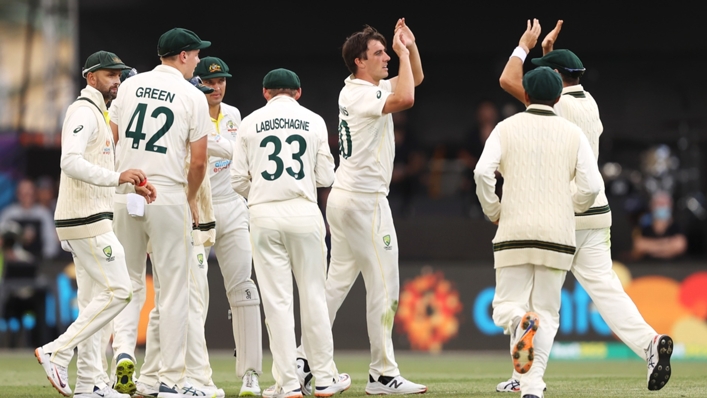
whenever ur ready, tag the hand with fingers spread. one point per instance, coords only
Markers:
(132, 176)
(549, 40)
(530, 36)
(147, 191)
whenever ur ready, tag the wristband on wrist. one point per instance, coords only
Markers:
(520, 53)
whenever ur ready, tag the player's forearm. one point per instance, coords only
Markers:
(416, 65)
(75, 166)
(511, 79)
(240, 184)
(195, 176)
(403, 96)
(324, 170)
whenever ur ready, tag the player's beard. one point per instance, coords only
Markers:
(110, 93)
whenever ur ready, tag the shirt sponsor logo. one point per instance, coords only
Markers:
(378, 94)
(106, 150)
(221, 165)
(77, 129)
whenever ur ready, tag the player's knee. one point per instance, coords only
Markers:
(244, 294)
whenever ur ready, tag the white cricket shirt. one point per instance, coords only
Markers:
(281, 153)
(158, 114)
(221, 150)
(366, 138)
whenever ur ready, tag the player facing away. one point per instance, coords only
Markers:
(281, 156)
(363, 238)
(535, 241)
(160, 122)
(232, 244)
(592, 264)
(83, 222)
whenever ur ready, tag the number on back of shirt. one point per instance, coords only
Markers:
(274, 156)
(135, 127)
(344, 139)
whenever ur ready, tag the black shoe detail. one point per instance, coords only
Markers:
(371, 379)
(385, 380)
(662, 370)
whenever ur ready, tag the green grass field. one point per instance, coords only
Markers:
(446, 375)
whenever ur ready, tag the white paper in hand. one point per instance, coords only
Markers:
(136, 205)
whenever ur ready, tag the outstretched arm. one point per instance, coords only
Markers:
(511, 79)
(403, 96)
(409, 40)
(549, 40)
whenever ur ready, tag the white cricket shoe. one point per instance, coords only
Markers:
(58, 375)
(144, 390)
(251, 386)
(191, 391)
(105, 392)
(522, 350)
(304, 375)
(124, 374)
(341, 385)
(277, 392)
(658, 359)
(510, 385)
(387, 385)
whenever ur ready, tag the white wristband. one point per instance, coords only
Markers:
(520, 53)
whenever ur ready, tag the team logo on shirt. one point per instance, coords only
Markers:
(386, 240)
(378, 94)
(77, 129)
(108, 251)
(232, 128)
(200, 257)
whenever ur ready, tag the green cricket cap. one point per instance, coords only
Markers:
(102, 60)
(542, 83)
(281, 78)
(210, 67)
(565, 61)
(176, 40)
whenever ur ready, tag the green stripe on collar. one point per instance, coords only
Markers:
(540, 112)
(576, 94)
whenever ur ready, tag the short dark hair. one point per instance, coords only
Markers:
(276, 91)
(570, 79)
(356, 46)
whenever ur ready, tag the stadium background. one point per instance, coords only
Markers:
(642, 68)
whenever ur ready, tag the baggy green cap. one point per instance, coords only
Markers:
(102, 60)
(281, 78)
(177, 40)
(210, 67)
(542, 83)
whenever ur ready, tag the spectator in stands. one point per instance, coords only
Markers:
(660, 237)
(46, 193)
(38, 232)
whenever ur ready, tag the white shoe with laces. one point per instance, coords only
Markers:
(58, 375)
(658, 360)
(304, 375)
(105, 392)
(275, 392)
(145, 390)
(510, 385)
(251, 385)
(398, 385)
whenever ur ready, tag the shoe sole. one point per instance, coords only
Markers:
(662, 371)
(396, 393)
(39, 359)
(248, 394)
(124, 377)
(331, 394)
(523, 352)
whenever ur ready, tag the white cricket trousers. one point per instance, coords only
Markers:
(235, 260)
(592, 266)
(197, 355)
(363, 240)
(101, 272)
(167, 226)
(288, 238)
(516, 287)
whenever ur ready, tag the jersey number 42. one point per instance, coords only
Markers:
(135, 132)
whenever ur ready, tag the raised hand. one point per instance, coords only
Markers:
(530, 36)
(549, 40)
(408, 38)
(399, 44)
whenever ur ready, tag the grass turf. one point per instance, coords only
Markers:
(446, 375)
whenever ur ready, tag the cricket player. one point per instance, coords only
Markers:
(535, 241)
(281, 156)
(198, 367)
(160, 122)
(232, 245)
(592, 264)
(83, 223)
(363, 236)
